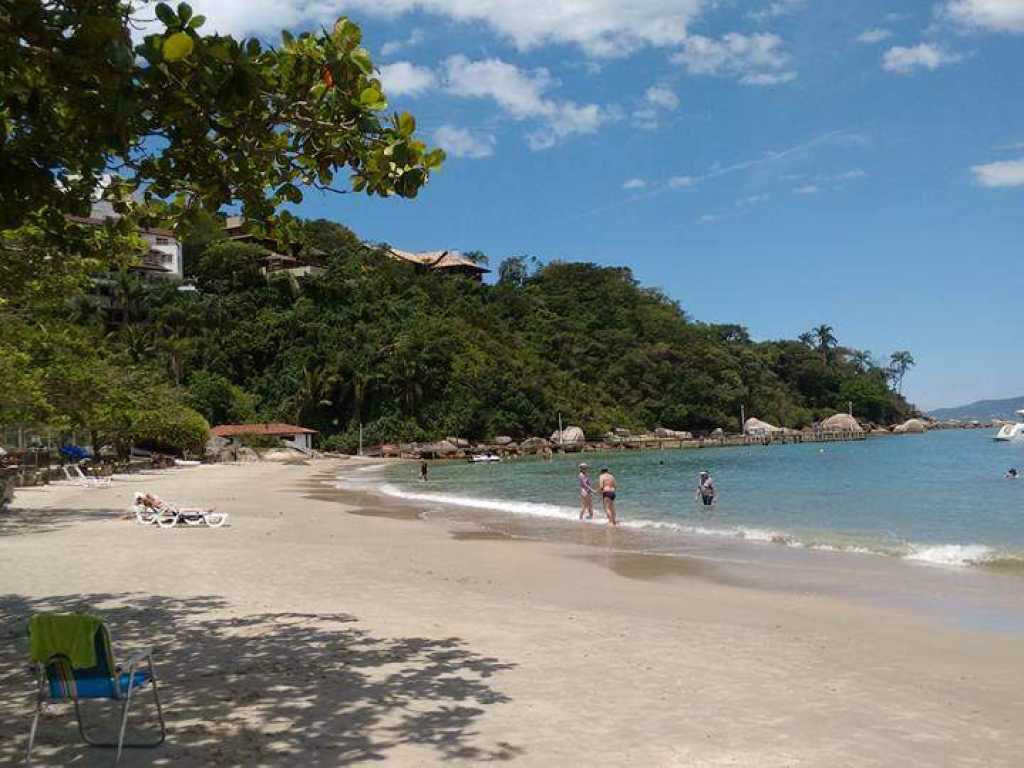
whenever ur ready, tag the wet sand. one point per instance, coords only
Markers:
(322, 628)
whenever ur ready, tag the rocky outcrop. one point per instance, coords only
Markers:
(503, 440)
(717, 432)
(911, 427)
(568, 436)
(672, 434)
(534, 444)
(841, 422)
(754, 426)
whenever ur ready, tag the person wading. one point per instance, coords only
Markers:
(586, 493)
(606, 484)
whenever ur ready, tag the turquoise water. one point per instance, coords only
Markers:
(939, 497)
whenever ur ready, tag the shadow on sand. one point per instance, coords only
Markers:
(265, 689)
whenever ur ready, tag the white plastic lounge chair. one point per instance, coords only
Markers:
(76, 476)
(168, 515)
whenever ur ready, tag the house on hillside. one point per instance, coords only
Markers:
(164, 257)
(291, 261)
(292, 436)
(446, 262)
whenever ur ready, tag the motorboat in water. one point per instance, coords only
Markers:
(1012, 431)
(484, 458)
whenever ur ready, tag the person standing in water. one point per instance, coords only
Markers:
(706, 489)
(423, 471)
(586, 493)
(606, 484)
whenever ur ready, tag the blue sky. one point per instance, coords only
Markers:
(778, 163)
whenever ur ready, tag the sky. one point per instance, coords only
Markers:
(774, 163)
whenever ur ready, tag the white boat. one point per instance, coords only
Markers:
(1012, 431)
(485, 458)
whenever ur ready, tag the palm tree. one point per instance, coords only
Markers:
(807, 339)
(899, 363)
(862, 359)
(826, 340)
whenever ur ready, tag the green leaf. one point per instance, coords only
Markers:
(184, 11)
(166, 15)
(406, 124)
(178, 46)
(361, 58)
(197, 22)
(371, 98)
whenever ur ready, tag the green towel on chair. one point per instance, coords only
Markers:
(70, 634)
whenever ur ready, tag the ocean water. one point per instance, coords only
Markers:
(938, 498)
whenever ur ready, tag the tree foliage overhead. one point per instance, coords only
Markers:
(192, 120)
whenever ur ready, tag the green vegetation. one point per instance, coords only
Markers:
(190, 123)
(420, 355)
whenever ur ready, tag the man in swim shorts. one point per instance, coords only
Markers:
(606, 484)
(706, 489)
(586, 493)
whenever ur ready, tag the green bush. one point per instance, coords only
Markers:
(169, 428)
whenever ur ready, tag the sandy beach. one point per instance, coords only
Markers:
(320, 628)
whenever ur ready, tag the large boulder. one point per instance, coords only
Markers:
(443, 448)
(754, 426)
(503, 440)
(534, 444)
(911, 427)
(717, 432)
(390, 451)
(672, 434)
(841, 422)
(569, 436)
(458, 442)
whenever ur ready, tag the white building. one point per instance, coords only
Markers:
(164, 258)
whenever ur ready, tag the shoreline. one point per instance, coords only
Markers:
(946, 591)
(343, 631)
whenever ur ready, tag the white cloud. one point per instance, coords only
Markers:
(1012, 147)
(776, 9)
(1007, 173)
(708, 218)
(904, 61)
(807, 189)
(990, 15)
(522, 94)
(392, 47)
(657, 100)
(634, 184)
(602, 28)
(872, 36)
(746, 202)
(678, 182)
(757, 59)
(662, 96)
(403, 78)
(460, 142)
(856, 173)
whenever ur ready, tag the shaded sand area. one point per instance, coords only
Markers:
(320, 630)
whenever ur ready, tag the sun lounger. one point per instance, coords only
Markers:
(74, 660)
(169, 515)
(76, 476)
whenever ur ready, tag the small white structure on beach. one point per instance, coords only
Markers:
(299, 438)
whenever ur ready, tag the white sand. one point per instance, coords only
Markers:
(303, 635)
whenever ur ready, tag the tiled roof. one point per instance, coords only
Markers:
(274, 430)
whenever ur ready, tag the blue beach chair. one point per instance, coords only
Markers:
(74, 660)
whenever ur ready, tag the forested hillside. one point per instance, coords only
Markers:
(420, 355)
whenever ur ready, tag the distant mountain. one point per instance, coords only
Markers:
(983, 410)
